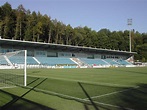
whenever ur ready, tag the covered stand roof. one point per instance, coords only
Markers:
(20, 43)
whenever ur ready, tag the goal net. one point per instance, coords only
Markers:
(13, 69)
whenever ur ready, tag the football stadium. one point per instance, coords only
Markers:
(63, 56)
(47, 76)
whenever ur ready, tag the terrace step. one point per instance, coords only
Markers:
(78, 62)
(9, 62)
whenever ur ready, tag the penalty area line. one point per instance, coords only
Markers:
(7, 87)
(94, 97)
(75, 98)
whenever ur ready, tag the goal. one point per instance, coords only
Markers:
(13, 69)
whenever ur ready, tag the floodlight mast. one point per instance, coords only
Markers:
(130, 24)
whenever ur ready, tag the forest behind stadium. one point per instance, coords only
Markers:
(22, 24)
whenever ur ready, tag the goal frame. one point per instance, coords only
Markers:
(10, 65)
(25, 68)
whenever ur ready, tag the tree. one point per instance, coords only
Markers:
(94, 38)
(20, 22)
(68, 35)
(115, 40)
(33, 25)
(39, 30)
(138, 40)
(126, 42)
(144, 38)
(6, 21)
(24, 25)
(87, 36)
(6, 10)
(29, 26)
(1, 27)
(1, 21)
(78, 33)
(46, 28)
(121, 40)
(103, 38)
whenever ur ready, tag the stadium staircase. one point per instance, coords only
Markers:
(32, 61)
(9, 62)
(79, 62)
(105, 62)
(36, 60)
(124, 62)
(94, 62)
(112, 62)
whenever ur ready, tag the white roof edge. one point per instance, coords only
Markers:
(42, 43)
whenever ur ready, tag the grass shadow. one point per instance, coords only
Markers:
(135, 98)
(19, 103)
(22, 104)
(131, 99)
(94, 105)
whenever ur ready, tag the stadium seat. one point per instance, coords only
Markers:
(112, 62)
(3, 62)
(31, 61)
(20, 59)
(93, 61)
(123, 62)
(54, 60)
(16, 59)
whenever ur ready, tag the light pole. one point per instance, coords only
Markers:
(129, 24)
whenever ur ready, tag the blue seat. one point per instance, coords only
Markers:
(3, 61)
(17, 59)
(31, 61)
(54, 60)
(111, 62)
(123, 62)
(93, 61)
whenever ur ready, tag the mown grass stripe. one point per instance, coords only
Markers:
(87, 82)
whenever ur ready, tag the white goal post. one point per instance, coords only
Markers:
(13, 68)
(25, 69)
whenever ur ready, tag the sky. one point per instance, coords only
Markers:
(95, 14)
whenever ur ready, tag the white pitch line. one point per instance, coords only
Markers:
(76, 98)
(111, 93)
(7, 87)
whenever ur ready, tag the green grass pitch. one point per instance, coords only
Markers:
(78, 89)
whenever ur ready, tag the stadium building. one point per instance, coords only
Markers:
(64, 56)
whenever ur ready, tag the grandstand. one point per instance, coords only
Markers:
(90, 89)
(64, 56)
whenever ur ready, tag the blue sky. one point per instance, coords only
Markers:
(96, 14)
